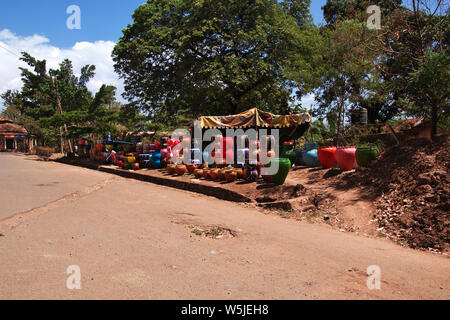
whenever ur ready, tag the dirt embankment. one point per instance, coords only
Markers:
(411, 185)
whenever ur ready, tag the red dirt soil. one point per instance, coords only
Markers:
(411, 185)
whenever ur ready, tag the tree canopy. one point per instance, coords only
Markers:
(52, 98)
(411, 45)
(215, 56)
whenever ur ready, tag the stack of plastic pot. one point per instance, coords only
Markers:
(346, 158)
(156, 159)
(309, 156)
(280, 175)
(228, 150)
(327, 157)
(365, 155)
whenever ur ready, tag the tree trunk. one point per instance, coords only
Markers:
(58, 103)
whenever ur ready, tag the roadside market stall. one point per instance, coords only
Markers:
(290, 127)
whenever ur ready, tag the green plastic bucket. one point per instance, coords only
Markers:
(365, 155)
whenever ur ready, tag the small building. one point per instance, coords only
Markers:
(14, 138)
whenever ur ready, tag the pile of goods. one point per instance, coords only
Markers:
(246, 167)
(345, 158)
(84, 148)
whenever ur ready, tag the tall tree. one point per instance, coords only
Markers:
(415, 43)
(412, 42)
(55, 98)
(338, 10)
(212, 56)
(349, 66)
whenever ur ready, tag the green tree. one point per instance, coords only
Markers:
(11, 111)
(370, 92)
(214, 56)
(431, 82)
(349, 66)
(402, 55)
(52, 99)
(415, 44)
(338, 10)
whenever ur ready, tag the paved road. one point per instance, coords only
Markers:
(134, 240)
(27, 184)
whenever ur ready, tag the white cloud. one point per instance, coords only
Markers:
(308, 101)
(97, 53)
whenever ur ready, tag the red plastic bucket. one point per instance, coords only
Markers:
(346, 158)
(327, 157)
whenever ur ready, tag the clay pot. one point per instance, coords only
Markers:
(327, 157)
(126, 165)
(253, 175)
(156, 160)
(191, 168)
(206, 174)
(271, 154)
(346, 158)
(365, 155)
(165, 153)
(221, 174)
(230, 175)
(198, 173)
(171, 168)
(240, 173)
(214, 173)
(180, 169)
(135, 166)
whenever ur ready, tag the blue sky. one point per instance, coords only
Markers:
(39, 28)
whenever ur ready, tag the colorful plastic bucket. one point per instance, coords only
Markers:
(327, 157)
(284, 165)
(310, 158)
(365, 155)
(346, 158)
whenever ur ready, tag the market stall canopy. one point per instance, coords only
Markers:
(255, 118)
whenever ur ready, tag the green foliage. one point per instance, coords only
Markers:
(349, 66)
(82, 113)
(431, 82)
(318, 132)
(338, 10)
(401, 69)
(415, 45)
(11, 111)
(214, 57)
